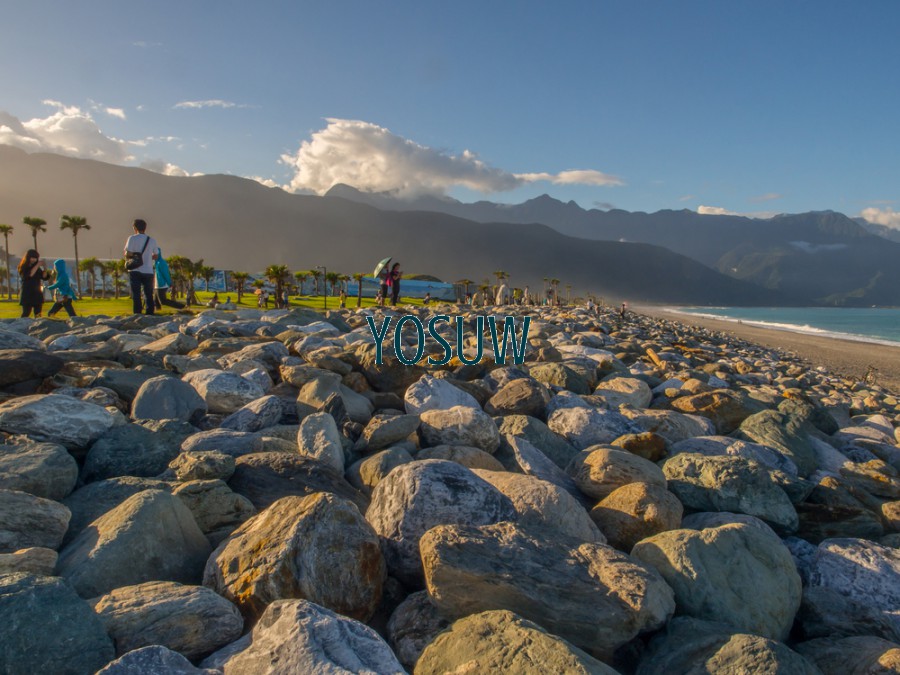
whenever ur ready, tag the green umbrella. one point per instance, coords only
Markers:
(380, 266)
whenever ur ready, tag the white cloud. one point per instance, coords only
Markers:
(165, 168)
(373, 159)
(116, 112)
(715, 211)
(886, 216)
(210, 103)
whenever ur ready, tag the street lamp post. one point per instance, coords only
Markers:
(324, 286)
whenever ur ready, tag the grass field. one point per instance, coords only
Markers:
(10, 309)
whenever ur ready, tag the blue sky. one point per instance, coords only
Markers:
(749, 107)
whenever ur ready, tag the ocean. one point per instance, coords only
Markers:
(878, 325)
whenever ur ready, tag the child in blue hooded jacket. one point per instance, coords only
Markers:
(65, 294)
(163, 282)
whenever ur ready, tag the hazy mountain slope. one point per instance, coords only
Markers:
(238, 224)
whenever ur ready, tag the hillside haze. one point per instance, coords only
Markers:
(235, 223)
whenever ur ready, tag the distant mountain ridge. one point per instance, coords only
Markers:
(820, 257)
(236, 223)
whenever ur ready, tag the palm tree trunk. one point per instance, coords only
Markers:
(77, 272)
(8, 282)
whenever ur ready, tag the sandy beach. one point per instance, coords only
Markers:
(848, 358)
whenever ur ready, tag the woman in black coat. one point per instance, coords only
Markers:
(31, 275)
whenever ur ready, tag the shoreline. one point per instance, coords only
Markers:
(843, 357)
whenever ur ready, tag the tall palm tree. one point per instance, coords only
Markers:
(332, 278)
(107, 269)
(554, 284)
(240, 280)
(36, 225)
(358, 277)
(6, 230)
(465, 283)
(278, 274)
(206, 272)
(88, 266)
(316, 275)
(76, 224)
(301, 276)
(178, 267)
(568, 293)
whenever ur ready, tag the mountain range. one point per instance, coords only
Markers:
(667, 257)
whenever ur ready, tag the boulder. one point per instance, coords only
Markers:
(47, 628)
(469, 457)
(584, 427)
(786, 433)
(597, 471)
(542, 504)
(142, 450)
(430, 393)
(500, 641)
(825, 612)
(383, 431)
(365, 474)
(167, 398)
(41, 469)
(725, 445)
(726, 409)
(151, 536)
(13, 340)
(587, 593)
(645, 444)
(859, 655)
(191, 620)
(558, 375)
(636, 511)
(38, 561)
(412, 626)
(126, 382)
(234, 443)
(174, 343)
(257, 415)
(289, 551)
(692, 646)
(26, 521)
(523, 396)
(217, 510)
(298, 636)
(23, 365)
(318, 438)
(203, 465)
(624, 390)
(224, 392)
(63, 420)
(155, 659)
(556, 449)
(266, 477)
(833, 511)
(755, 587)
(415, 497)
(672, 426)
(527, 459)
(730, 483)
(459, 425)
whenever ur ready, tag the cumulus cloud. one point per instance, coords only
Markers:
(165, 168)
(209, 103)
(715, 211)
(373, 159)
(886, 216)
(116, 112)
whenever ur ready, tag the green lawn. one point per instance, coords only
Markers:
(111, 307)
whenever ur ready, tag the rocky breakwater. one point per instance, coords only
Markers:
(253, 492)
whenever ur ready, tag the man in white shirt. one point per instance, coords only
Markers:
(141, 277)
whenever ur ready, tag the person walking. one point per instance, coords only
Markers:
(385, 287)
(32, 273)
(62, 286)
(140, 253)
(394, 282)
(162, 281)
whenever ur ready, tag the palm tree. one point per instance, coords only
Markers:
(316, 275)
(206, 273)
(240, 279)
(76, 224)
(358, 277)
(332, 278)
(568, 292)
(301, 276)
(36, 225)
(178, 267)
(501, 275)
(554, 284)
(6, 230)
(88, 266)
(465, 283)
(278, 274)
(107, 269)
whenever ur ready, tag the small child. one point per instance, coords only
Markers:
(65, 294)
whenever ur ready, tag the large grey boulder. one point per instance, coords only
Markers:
(624, 390)
(858, 655)
(431, 393)
(143, 450)
(755, 587)
(383, 431)
(154, 659)
(22, 365)
(47, 628)
(503, 642)
(412, 626)
(524, 457)
(725, 445)
(174, 343)
(459, 425)
(234, 443)
(191, 620)
(67, 421)
(203, 465)
(786, 433)
(366, 473)
(318, 438)
(587, 593)
(167, 398)
(860, 570)
(217, 509)
(825, 612)
(636, 511)
(35, 560)
(126, 382)
(318, 547)
(298, 636)
(672, 426)
(257, 415)
(13, 339)
(598, 471)
(266, 477)
(690, 646)
(26, 521)
(584, 427)
(151, 536)
(522, 396)
(417, 496)
(730, 483)
(557, 449)
(224, 392)
(41, 469)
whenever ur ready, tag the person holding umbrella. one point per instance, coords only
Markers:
(379, 268)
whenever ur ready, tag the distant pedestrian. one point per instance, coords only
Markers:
(427, 298)
(140, 253)
(385, 286)
(394, 282)
(162, 282)
(343, 297)
(62, 286)
(623, 310)
(32, 272)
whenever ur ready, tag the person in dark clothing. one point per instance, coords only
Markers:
(394, 282)
(32, 273)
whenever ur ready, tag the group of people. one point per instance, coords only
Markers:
(390, 285)
(148, 276)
